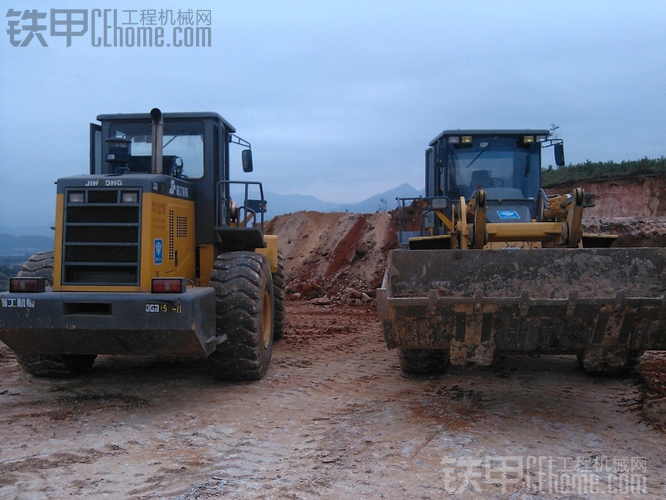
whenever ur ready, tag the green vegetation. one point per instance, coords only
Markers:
(589, 171)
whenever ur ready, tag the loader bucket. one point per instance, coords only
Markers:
(605, 305)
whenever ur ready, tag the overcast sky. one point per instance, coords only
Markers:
(340, 98)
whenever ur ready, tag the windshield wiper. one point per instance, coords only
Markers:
(170, 141)
(481, 152)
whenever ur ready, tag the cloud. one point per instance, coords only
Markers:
(340, 99)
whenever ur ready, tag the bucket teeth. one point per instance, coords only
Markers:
(604, 305)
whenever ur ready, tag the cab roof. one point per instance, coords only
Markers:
(500, 132)
(200, 115)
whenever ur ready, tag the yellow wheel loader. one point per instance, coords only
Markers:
(492, 264)
(152, 256)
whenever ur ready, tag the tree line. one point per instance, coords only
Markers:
(590, 171)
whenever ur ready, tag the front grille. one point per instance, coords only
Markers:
(101, 237)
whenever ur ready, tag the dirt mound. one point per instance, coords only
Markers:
(336, 256)
(631, 231)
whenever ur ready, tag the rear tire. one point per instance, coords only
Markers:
(56, 365)
(280, 301)
(40, 265)
(423, 361)
(244, 310)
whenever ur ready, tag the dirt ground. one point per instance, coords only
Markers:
(334, 417)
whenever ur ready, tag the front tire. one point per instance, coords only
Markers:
(56, 365)
(244, 310)
(601, 360)
(423, 361)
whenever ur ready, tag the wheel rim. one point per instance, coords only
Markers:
(266, 319)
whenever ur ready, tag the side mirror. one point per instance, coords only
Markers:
(559, 155)
(246, 156)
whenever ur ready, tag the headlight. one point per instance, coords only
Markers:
(129, 197)
(75, 197)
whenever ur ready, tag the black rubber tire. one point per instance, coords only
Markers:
(51, 365)
(56, 365)
(423, 361)
(280, 302)
(39, 265)
(603, 369)
(244, 310)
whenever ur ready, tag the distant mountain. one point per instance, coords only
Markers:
(382, 201)
(18, 245)
(27, 230)
(279, 204)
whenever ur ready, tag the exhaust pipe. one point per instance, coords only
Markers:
(157, 134)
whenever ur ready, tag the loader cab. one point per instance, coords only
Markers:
(506, 164)
(194, 145)
(195, 151)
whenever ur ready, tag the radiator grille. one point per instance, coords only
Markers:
(177, 229)
(181, 227)
(101, 236)
(171, 245)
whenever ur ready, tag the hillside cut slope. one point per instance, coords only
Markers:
(635, 196)
(335, 256)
